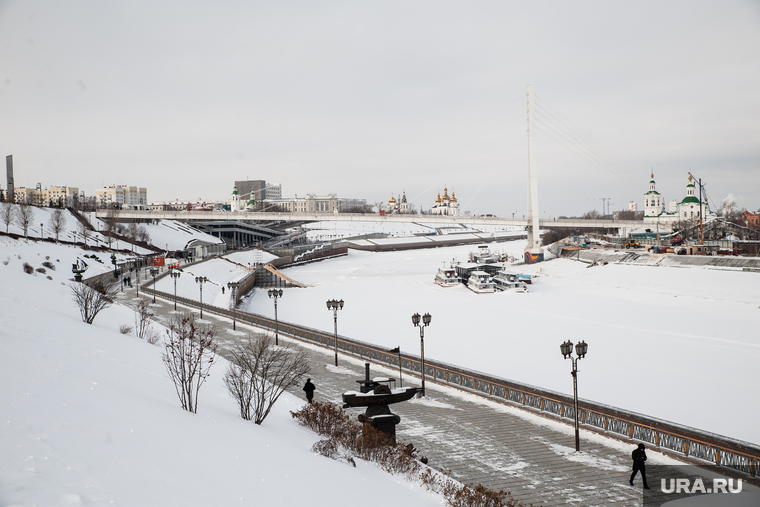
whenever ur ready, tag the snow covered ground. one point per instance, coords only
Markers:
(89, 416)
(673, 343)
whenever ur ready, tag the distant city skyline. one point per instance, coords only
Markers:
(365, 100)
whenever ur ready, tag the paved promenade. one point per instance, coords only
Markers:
(479, 441)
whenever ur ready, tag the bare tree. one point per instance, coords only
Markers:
(92, 299)
(259, 372)
(110, 225)
(143, 316)
(143, 235)
(57, 222)
(25, 217)
(84, 231)
(132, 233)
(8, 212)
(189, 352)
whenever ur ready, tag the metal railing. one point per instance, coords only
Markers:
(667, 436)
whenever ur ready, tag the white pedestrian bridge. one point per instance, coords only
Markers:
(363, 217)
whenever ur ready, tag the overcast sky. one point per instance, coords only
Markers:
(366, 99)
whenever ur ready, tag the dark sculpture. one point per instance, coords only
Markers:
(376, 395)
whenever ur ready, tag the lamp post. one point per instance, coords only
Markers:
(233, 286)
(175, 276)
(154, 272)
(41, 227)
(335, 305)
(425, 322)
(274, 294)
(201, 280)
(567, 351)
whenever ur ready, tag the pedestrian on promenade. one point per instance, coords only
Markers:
(309, 388)
(639, 457)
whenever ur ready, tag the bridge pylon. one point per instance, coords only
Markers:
(533, 251)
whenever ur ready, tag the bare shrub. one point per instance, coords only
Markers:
(143, 316)
(152, 336)
(346, 439)
(28, 268)
(41, 270)
(91, 300)
(49, 277)
(189, 352)
(49, 265)
(259, 372)
(125, 329)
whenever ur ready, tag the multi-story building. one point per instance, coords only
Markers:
(53, 196)
(122, 196)
(258, 190)
(751, 219)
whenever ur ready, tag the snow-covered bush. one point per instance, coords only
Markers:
(125, 329)
(28, 268)
(91, 300)
(260, 371)
(189, 353)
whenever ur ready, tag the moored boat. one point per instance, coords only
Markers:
(480, 282)
(447, 277)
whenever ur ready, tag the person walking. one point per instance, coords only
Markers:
(309, 388)
(639, 457)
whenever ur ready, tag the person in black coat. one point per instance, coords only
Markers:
(309, 388)
(639, 457)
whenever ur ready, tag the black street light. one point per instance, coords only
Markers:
(567, 351)
(425, 322)
(175, 274)
(233, 286)
(397, 350)
(201, 280)
(335, 305)
(276, 293)
(154, 272)
(41, 226)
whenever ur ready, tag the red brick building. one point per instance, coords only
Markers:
(751, 219)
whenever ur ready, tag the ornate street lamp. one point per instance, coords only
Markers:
(201, 280)
(334, 305)
(274, 294)
(175, 274)
(567, 351)
(233, 286)
(154, 272)
(425, 322)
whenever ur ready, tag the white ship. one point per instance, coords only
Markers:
(447, 277)
(480, 282)
(509, 281)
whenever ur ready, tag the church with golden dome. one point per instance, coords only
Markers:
(447, 206)
(400, 205)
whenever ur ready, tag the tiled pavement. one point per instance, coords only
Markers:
(477, 440)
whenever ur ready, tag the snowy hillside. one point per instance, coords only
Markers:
(90, 417)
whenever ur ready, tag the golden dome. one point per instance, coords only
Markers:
(392, 200)
(445, 194)
(438, 199)
(453, 198)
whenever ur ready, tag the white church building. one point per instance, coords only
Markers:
(447, 206)
(688, 208)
